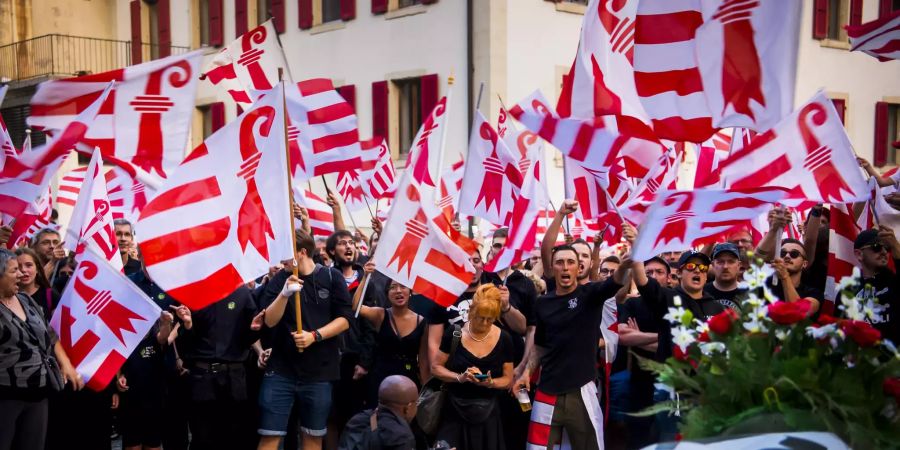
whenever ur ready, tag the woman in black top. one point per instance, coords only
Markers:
(34, 282)
(479, 370)
(399, 342)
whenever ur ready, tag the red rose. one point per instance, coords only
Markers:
(861, 332)
(892, 388)
(825, 319)
(704, 337)
(679, 354)
(721, 323)
(784, 313)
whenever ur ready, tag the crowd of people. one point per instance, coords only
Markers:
(514, 360)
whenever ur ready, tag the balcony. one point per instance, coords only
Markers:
(60, 56)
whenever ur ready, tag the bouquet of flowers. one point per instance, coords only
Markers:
(772, 368)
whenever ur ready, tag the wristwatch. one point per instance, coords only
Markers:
(318, 336)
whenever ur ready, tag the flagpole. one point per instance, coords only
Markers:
(440, 161)
(566, 192)
(298, 310)
(366, 198)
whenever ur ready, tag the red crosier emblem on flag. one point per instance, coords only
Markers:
(151, 106)
(676, 223)
(526, 139)
(416, 230)
(421, 173)
(251, 56)
(493, 167)
(620, 30)
(296, 161)
(104, 238)
(741, 73)
(818, 157)
(101, 303)
(253, 222)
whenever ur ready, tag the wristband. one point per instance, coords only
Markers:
(508, 307)
(318, 336)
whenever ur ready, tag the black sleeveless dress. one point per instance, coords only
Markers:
(394, 355)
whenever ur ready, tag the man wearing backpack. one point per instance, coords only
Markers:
(387, 426)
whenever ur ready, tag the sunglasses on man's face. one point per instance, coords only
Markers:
(794, 254)
(876, 247)
(690, 267)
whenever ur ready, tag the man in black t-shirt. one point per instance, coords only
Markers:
(872, 249)
(304, 363)
(789, 271)
(726, 266)
(566, 336)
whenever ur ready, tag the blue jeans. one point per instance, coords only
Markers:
(277, 395)
(619, 396)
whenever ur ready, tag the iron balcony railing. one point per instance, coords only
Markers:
(57, 55)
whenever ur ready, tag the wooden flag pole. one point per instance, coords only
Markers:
(298, 310)
(366, 198)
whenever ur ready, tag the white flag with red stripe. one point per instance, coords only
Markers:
(709, 155)
(323, 134)
(747, 57)
(249, 63)
(879, 38)
(6, 144)
(686, 219)
(491, 181)
(35, 218)
(377, 175)
(222, 218)
(127, 195)
(662, 178)
(842, 231)
(808, 153)
(349, 187)
(70, 185)
(451, 185)
(321, 216)
(91, 224)
(101, 318)
(145, 121)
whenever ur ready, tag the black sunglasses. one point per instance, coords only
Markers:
(876, 247)
(794, 254)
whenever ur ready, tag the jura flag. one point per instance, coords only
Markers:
(879, 38)
(491, 181)
(91, 224)
(101, 318)
(222, 218)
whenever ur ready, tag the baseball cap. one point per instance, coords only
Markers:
(726, 247)
(686, 256)
(867, 237)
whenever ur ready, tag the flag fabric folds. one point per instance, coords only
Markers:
(879, 38)
(91, 224)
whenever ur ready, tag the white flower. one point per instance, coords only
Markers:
(675, 314)
(849, 282)
(677, 300)
(782, 333)
(890, 347)
(708, 348)
(683, 337)
(756, 319)
(822, 332)
(702, 327)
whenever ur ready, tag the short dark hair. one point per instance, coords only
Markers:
(563, 247)
(40, 234)
(501, 233)
(792, 241)
(331, 242)
(305, 242)
(612, 259)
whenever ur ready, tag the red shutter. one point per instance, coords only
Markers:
(215, 23)
(856, 9)
(277, 7)
(240, 17)
(380, 109)
(349, 93)
(880, 149)
(136, 50)
(306, 15)
(164, 28)
(841, 106)
(820, 19)
(885, 7)
(217, 115)
(379, 6)
(348, 9)
(428, 2)
(429, 92)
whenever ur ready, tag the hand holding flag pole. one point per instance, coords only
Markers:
(298, 312)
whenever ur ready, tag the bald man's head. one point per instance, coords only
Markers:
(399, 394)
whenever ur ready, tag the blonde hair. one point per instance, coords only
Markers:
(486, 302)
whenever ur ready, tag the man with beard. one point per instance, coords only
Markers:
(789, 269)
(580, 245)
(726, 266)
(48, 244)
(125, 238)
(872, 248)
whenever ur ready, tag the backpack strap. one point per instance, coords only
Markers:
(457, 336)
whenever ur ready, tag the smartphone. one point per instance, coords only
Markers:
(481, 377)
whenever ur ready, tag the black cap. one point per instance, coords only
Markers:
(867, 237)
(727, 247)
(686, 256)
(658, 259)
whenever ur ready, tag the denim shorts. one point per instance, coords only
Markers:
(277, 396)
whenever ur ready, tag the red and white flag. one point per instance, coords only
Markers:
(101, 318)
(709, 156)
(6, 144)
(70, 185)
(249, 63)
(91, 224)
(842, 233)
(451, 185)
(35, 218)
(222, 217)
(144, 122)
(321, 216)
(879, 38)
(127, 194)
(663, 178)
(687, 219)
(807, 153)
(491, 181)
(323, 133)
(747, 58)
(377, 175)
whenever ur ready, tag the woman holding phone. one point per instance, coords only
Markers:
(480, 369)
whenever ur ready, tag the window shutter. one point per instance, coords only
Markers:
(278, 14)
(379, 6)
(164, 29)
(240, 17)
(856, 11)
(217, 115)
(885, 8)
(348, 10)
(429, 92)
(880, 149)
(380, 109)
(428, 2)
(306, 14)
(841, 106)
(349, 94)
(136, 47)
(215, 23)
(820, 19)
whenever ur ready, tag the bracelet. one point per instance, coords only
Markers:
(508, 307)
(318, 336)
(459, 378)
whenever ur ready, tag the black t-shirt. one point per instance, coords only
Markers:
(568, 330)
(461, 360)
(804, 290)
(324, 297)
(455, 314)
(659, 299)
(641, 380)
(221, 331)
(886, 288)
(728, 299)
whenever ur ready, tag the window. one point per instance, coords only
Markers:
(409, 113)
(893, 135)
(203, 10)
(331, 10)
(887, 134)
(262, 11)
(153, 15)
(830, 17)
(837, 18)
(206, 120)
(14, 118)
(579, 2)
(406, 3)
